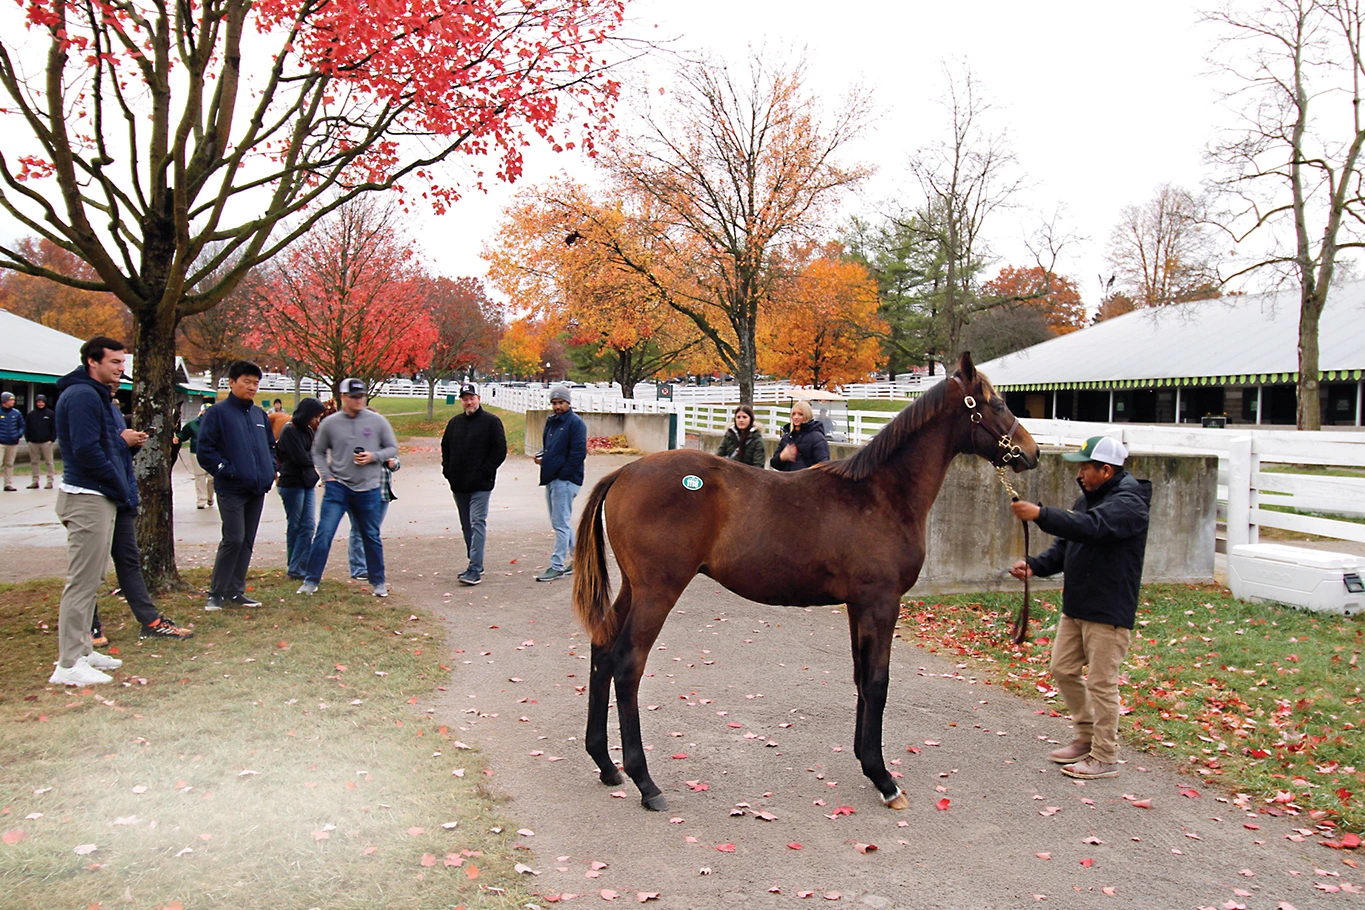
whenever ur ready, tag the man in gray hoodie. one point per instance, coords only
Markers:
(348, 449)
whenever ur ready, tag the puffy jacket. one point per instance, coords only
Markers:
(565, 444)
(753, 453)
(189, 433)
(1101, 542)
(92, 450)
(237, 447)
(811, 447)
(294, 448)
(41, 425)
(11, 425)
(472, 448)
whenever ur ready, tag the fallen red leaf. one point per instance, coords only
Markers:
(607, 894)
(726, 848)
(643, 896)
(793, 846)
(1188, 792)
(472, 872)
(680, 755)
(428, 859)
(1087, 862)
(1142, 804)
(13, 837)
(865, 848)
(943, 804)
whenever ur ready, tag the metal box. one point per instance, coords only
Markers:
(1313, 579)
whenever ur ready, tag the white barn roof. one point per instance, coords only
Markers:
(1230, 340)
(30, 351)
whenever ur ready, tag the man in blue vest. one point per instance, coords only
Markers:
(237, 447)
(563, 454)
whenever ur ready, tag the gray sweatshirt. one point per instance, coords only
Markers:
(336, 441)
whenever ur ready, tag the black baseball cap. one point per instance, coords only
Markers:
(468, 389)
(353, 387)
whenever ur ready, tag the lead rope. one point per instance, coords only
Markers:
(1020, 629)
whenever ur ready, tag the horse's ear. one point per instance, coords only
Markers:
(966, 367)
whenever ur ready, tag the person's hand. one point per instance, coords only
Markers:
(1025, 511)
(537, 457)
(1021, 570)
(788, 452)
(134, 438)
(364, 458)
(390, 463)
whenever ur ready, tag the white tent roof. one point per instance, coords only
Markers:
(1226, 338)
(31, 347)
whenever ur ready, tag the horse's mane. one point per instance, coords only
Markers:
(894, 435)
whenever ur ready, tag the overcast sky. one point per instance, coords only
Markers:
(1102, 102)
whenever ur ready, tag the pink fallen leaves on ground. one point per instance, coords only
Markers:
(428, 860)
(943, 804)
(643, 896)
(865, 848)
(697, 786)
(1189, 793)
(1142, 804)
(13, 836)
(1087, 862)
(794, 846)
(726, 848)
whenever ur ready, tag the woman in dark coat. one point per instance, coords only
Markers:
(803, 443)
(297, 482)
(743, 440)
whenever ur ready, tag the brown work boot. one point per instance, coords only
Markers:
(1075, 751)
(1090, 769)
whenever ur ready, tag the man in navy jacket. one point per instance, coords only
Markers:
(564, 451)
(1101, 542)
(237, 447)
(94, 486)
(11, 432)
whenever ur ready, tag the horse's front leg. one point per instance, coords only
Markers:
(853, 613)
(629, 654)
(599, 697)
(875, 627)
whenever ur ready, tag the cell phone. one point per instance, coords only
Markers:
(540, 454)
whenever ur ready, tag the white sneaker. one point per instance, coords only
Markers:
(308, 587)
(102, 661)
(381, 590)
(78, 674)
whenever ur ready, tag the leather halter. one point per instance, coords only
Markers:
(1019, 631)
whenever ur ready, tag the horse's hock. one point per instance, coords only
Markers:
(973, 537)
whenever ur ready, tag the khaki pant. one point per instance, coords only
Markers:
(203, 480)
(7, 454)
(40, 453)
(1092, 699)
(89, 522)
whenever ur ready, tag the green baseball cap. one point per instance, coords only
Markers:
(1100, 448)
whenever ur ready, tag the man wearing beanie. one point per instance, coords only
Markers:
(11, 431)
(1101, 541)
(40, 431)
(563, 453)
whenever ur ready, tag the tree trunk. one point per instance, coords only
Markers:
(154, 405)
(431, 398)
(1310, 313)
(298, 388)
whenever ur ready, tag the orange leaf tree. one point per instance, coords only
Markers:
(157, 142)
(554, 255)
(1052, 295)
(520, 349)
(816, 329)
(77, 312)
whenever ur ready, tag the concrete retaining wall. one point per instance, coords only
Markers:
(973, 537)
(646, 432)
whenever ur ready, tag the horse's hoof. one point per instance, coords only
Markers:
(612, 778)
(655, 803)
(898, 801)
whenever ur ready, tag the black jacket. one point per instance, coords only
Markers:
(294, 448)
(565, 444)
(811, 447)
(92, 450)
(41, 425)
(753, 453)
(237, 447)
(1100, 546)
(472, 448)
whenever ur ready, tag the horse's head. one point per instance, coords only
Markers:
(995, 434)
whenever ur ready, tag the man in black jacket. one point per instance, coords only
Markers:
(40, 431)
(1100, 546)
(472, 448)
(237, 447)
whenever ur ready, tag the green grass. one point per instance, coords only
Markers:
(278, 759)
(1316, 470)
(1264, 700)
(877, 404)
(408, 416)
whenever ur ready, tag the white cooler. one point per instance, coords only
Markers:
(1312, 579)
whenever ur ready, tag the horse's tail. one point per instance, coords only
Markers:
(591, 584)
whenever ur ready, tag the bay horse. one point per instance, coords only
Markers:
(860, 541)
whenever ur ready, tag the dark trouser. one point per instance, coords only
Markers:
(241, 515)
(363, 509)
(128, 567)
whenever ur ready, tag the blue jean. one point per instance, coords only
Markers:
(363, 509)
(474, 525)
(300, 512)
(355, 545)
(559, 495)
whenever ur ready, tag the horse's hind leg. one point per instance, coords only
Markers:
(633, 644)
(876, 624)
(599, 697)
